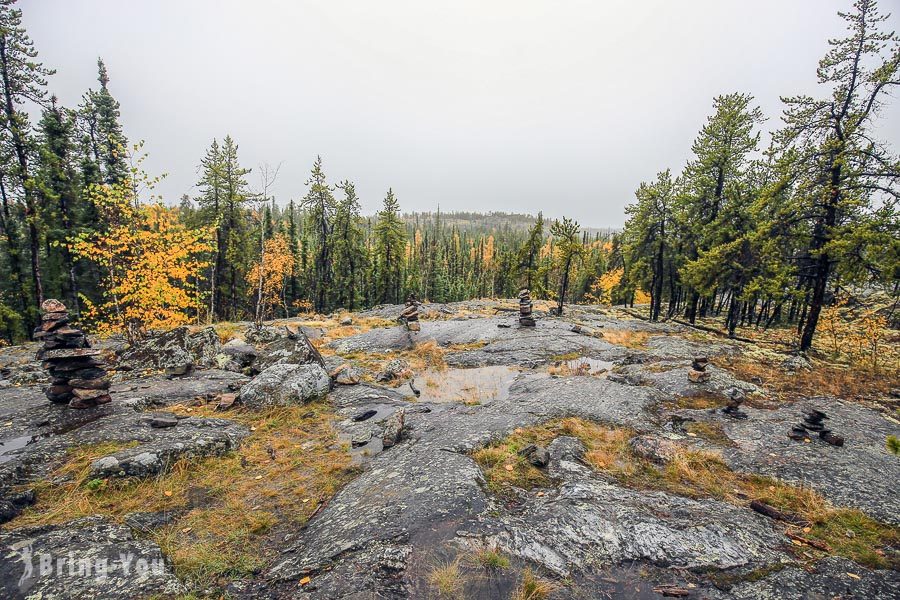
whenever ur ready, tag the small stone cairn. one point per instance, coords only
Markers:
(525, 306)
(77, 376)
(813, 423)
(736, 397)
(410, 314)
(698, 373)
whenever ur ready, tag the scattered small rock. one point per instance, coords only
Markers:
(654, 448)
(395, 369)
(393, 429)
(163, 421)
(536, 455)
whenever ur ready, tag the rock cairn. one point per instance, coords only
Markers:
(525, 306)
(736, 397)
(813, 422)
(698, 373)
(410, 314)
(77, 376)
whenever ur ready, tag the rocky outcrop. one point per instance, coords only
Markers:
(284, 385)
(237, 356)
(175, 352)
(88, 558)
(185, 438)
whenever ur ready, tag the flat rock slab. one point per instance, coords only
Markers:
(88, 558)
(50, 431)
(862, 473)
(416, 496)
(160, 391)
(74, 353)
(832, 577)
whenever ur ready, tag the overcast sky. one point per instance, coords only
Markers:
(560, 106)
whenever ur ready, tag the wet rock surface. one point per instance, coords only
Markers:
(99, 559)
(420, 499)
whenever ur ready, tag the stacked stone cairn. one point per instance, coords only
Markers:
(410, 314)
(525, 306)
(736, 397)
(698, 373)
(813, 423)
(77, 376)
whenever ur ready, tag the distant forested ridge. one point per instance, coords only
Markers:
(757, 235)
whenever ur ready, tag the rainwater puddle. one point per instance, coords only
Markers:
(8, 448)
(466, 386)
(587, 366)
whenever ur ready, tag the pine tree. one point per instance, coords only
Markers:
(23, 80)
(59, 185)
(530, 252)
(212, 210)
(320, 205)
(349, 248)
(844, 174)
(568, 234)
(104, 137)
(237, 253)
(721, 152)
(389, 241)
(645, 237)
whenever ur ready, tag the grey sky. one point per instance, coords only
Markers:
(502, 105)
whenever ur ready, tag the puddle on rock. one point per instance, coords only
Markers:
(475, 386)
(8, 448)
(582, 366)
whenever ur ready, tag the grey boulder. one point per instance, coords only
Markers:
(286, 384)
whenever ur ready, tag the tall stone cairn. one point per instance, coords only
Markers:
(410, 314)
(525, 306)
(77, 376)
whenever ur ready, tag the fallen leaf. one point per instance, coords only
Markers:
(305, 500)
(167, 493)
(186, 530)
(807, 529)
(853, 575)
(305, 580)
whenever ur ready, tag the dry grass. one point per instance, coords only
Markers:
(490, 558)
(447, 580)
(824, 379)
(625, 337)
(695, 474)
(222, 506)
(709, 431)
(532, 587)
(424, 356)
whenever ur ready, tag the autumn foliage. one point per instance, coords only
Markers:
(150, 263)
(276, 268)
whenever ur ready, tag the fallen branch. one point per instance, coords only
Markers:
(814, 543)
(721, 333)
(672, 591)
(773, 513)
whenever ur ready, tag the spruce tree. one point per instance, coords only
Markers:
(59, 185)
(23, 81)
(844, 174)
(320, 206)
(390, 237)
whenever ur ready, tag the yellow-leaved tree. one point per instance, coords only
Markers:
(150, 263)
(276, 268)
(601, 289)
